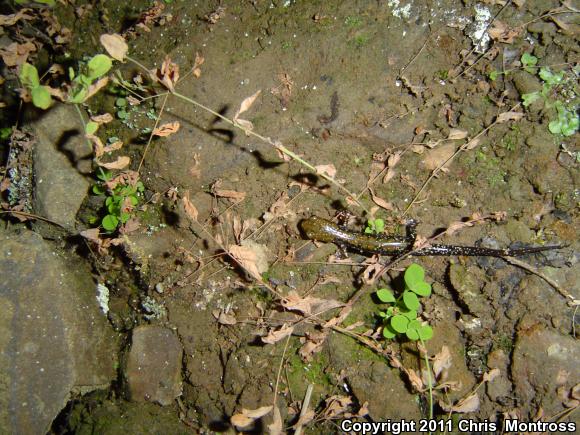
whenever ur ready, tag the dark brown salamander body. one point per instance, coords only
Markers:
(323, 230)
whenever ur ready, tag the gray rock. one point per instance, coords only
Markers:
(153, 369)
(544, 361)
(53, 337)
(60, 187)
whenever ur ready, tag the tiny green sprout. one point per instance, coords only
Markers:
(375, 226)
(91, 127)
(40, 94)
(567, 122)
(529, 61)
(530, 98)
(493, 75)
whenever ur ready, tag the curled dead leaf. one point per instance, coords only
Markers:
(252, 257)
(441, 363)
(247, 416)
(509, 116)
(120, 163)
(329, 170)
(188, 206)
(224, 318)
(436, 157)
(491, 375)
(455, 134)
(277, 335)
(308, 305)
(167, 129)
(465, 405)
(102, 119)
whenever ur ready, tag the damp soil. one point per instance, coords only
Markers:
(348, 84)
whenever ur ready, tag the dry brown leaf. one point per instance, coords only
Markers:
(247, 416)
(380, 201)
(509, 116)
(113, 147)
(468, 404)
(102, 119)
(311, 344)
(130, 226)
(335, 406)
(224, 318)
(491, 375)
(98, 147)
(441, 363)
(275, 428)
(415, 380)
(473, 143)
(91, 234)
(10, 20)
(247, 103)
(167, 129)
(120, 163)
(308, 305)
(249, 258)
(96, 87)
(168, 74)
(456, 133)
(501, 32)
(230, 194)
(195, 170)
(329, 170)
(16, 54)
(435, 157)
(277, 335)
(188, 206)
(196, 70)
(115, 46)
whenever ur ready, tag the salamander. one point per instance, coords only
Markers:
(323, 230)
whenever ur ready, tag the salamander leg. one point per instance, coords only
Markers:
(411, 226)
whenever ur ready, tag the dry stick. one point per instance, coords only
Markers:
(573, 301)
(280, 371)
(33, 216)
(152, 132)
(463, 147)
(304, 409)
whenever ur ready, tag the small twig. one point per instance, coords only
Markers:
(304, 409)
(152, 132)
(33, 216)
(573, 301)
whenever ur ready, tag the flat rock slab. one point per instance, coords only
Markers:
(53, 338)
(153, 369)
(545, 361)
(61, 156)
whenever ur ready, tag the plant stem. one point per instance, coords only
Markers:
(429, 379)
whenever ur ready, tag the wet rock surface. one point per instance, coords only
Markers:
(153, 371)
(54, 338)
(61, 157)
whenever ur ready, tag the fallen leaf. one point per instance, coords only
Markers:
(275, 428)
(308, 305)
(415, 380)
(115, 46)
(248, 416)
(113, 147)
(436, 157)
(10, 20)
(329, 170)
(91, 234)
(130, 226)
(491, 375)
(189, 208)
(312, 343)
(252, 257)
(96, 87)
(468, 404)
(386, 205)
(120, 163)
(247, 103)
(196, 70)
(230, 194)
(509, 116)
(335, 406)
(441, 362)
(195, 170)
(223, 318)
(167, 129)
(168, 74)
(455, 134)
(102, 119)
(276, 335)
(16, 54)
(501, 32)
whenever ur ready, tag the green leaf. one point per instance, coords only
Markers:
(41, 97)
(529, 98)
(422, 289)
(399, 323)
(379, 226)
(110, 222)
(98, 189)
(121, 102)
(415, 324)
(91, 127)
(134, 200)
(121, 114)
(414, 275)
(125, 217)
(386, 295)
(79, 95)
(99, 65)
(551, 78)
(493, 75)
(411, 314)
(29, 76)
(140, 187)
(411, 300)
(529, 61)
(426, 332)
(388, 332)
(412, 334)
(555, 127)
(104, 174)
